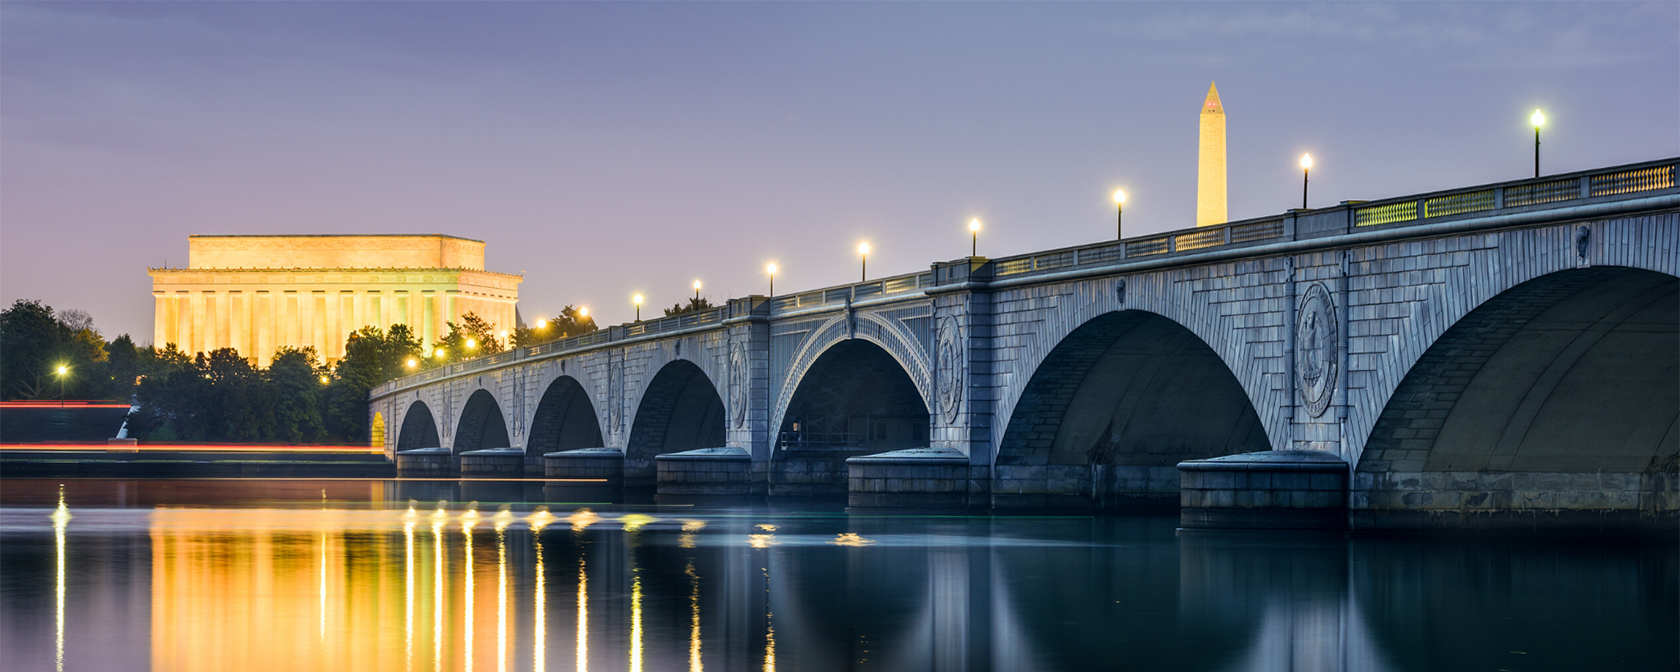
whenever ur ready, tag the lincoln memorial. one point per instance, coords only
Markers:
(258, 293)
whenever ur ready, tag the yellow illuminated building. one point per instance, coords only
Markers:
(258, 293)
(1210, 165)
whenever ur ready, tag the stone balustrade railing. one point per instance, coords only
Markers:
(1551, 192)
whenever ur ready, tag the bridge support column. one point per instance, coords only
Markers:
(708, 471)
(1278, 489)
(746, 390)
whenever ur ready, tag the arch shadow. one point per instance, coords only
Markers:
(681, 410)
(1112, 410)
(481, 425)
(418, 430)
(854, 399)
(1557, 395)
(565, 420)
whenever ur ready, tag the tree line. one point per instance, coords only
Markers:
(221, 396)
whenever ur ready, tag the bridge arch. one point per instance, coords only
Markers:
(1117, 404)
(565, 419)
(418, 430)
(481, 425)
(1558, 393)
(889, 338)
(855, 396)
(679, 410)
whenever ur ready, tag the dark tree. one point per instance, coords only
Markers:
(692, 305)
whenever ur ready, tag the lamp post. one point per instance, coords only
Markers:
(771, 269)
(1119, 213)
(1538, 120)
(1306, 167)
(62, 372)
(696, 292)
(638, 301)
(974, 241)
(863, 252)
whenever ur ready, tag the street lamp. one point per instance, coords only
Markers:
(1119, 213)
(542, 323)
(696, 292)
(863, 252)
(412, 362)
(323, 380)
(771, 269)
(637, 299)
(439, 354)
(1538, 120)
(62, 372)
(583, 311)
(974, 242)
(472, 343)
(1306, 167)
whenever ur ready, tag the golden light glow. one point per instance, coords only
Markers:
(974, 225)
(412, 362)
(62, 369)
(762, 540)
(635, 620)
(1120, 196)
(439, 518)
(771, 268)
(323, 633)
(1538, 119)
(583, 312)
(581, 519)
(539, 613)
(502, 519)
(408, 590)
(851, 539)
(863, 248)
(694, 664)
(696, 285)
(634, 522)
(583, 618)
(324, 380)
(61, 522)
(766, 528)
(637, 299)
(471, 343)
(501, 334)
(439, 352)
(542, 324)
(468, 519)
(1306, 161)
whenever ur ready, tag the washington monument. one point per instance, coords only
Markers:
(1210, 168)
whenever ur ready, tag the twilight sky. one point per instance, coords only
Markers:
(606, 149)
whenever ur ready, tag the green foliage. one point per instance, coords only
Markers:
(570, 322)
(295, 381)
(371, 358)
(471, 338)
(692, 305)
(34, 343)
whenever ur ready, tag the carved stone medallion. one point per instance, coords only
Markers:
(951, 369)
(1316, 349)
(738, 383)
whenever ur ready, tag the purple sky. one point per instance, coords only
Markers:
(606, 149)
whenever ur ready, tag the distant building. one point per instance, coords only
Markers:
(1210, 166)
(258, 293)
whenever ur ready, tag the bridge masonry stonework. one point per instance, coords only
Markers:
(1502, 354)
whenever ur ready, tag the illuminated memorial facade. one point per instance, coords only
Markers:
(258, 293)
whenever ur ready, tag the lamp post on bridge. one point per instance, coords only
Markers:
(637, 299)
(696, 292)
(1538, 120)
(863, 253)
(771, 269)
(1119, 213)
(1306, 168)
(974, 242)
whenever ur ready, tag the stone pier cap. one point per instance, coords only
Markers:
(914, 457)
(1275, 489)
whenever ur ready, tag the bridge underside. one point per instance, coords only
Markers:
(1111, 412)
(854, 400)
(1557, 399)
(681, 411)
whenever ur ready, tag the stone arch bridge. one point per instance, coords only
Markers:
(1504, 352)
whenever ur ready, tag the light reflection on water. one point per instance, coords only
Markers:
(327, 587)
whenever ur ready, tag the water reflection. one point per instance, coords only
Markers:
(316, 588)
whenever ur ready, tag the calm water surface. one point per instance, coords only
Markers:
(346, 575)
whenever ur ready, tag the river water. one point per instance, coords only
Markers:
(378, 575)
